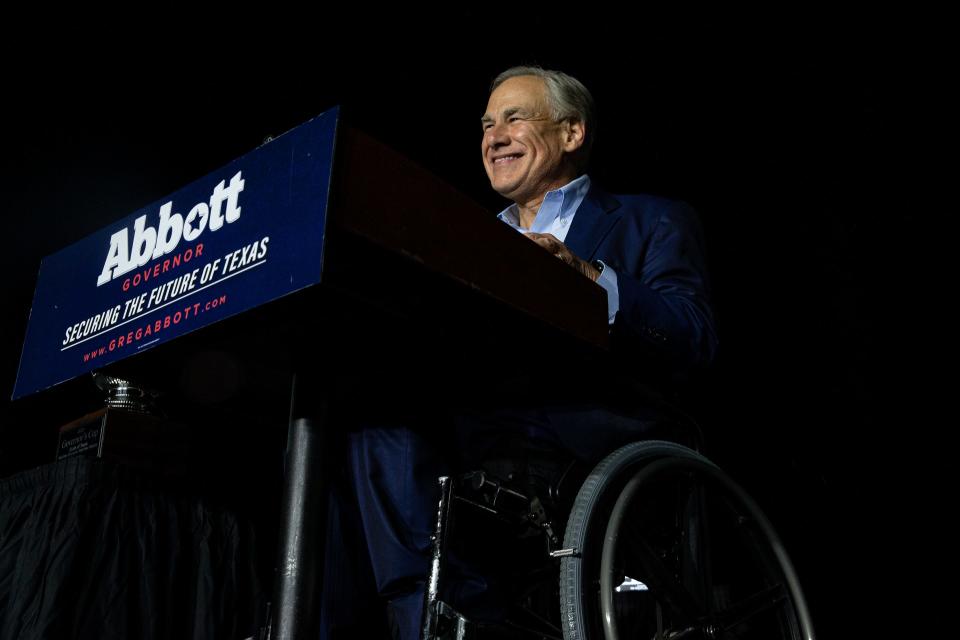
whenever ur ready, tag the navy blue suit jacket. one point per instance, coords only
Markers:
(656, 247)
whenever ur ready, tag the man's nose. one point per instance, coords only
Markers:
(496, 135)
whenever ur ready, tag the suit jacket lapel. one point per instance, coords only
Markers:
(592, 222)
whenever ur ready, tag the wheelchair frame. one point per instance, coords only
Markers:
(682, 600)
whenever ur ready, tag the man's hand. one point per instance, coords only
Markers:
(560, 250)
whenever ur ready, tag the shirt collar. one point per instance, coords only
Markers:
(557, 204)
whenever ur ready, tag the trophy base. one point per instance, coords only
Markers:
(127, 437)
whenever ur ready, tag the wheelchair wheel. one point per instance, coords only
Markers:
(666, 546)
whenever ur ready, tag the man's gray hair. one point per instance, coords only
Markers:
(568, 98)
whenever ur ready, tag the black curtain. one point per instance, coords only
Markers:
(91, 549)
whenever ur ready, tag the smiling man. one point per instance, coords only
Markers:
(535, 143)
(528, 150)
(645, 252)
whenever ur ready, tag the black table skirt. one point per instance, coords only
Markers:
(90, 549)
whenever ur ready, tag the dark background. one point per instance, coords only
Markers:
(795, 140)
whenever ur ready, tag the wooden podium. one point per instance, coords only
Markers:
(412, 284)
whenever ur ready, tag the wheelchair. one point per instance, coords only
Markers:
(659, 544)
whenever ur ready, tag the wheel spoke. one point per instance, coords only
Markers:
(662, 582)
(751, 606)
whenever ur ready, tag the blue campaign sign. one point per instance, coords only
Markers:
(246, 234)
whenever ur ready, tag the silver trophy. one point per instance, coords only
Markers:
(128, 429)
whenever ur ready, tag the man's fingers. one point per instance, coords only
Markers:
(547, 241)
(543, 242)
(560, 250)
(554, 246)
(541, 236)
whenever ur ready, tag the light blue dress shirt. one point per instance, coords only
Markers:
(555, 216)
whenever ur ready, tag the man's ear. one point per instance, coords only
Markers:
(574, 133)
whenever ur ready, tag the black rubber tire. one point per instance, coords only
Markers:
(616, 480)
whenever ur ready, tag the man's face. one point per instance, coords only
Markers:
(523, 148)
